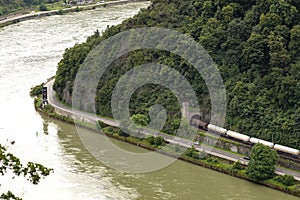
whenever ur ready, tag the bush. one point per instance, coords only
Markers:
(77, 9)
(61, 12)
(111, 130)
(37, 90)
(48, 108)
(286, 180)
(38, 103)
(213, 160)
(262, 163)
(156, 141)
(43, 7)
(238, 165)
(101, 125)
(123, 133)
(190, 151)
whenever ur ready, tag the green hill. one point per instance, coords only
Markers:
(8, 6)
(255, 43)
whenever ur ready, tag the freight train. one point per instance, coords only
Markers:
(196, 122)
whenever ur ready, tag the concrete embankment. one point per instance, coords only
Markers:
(13, 20)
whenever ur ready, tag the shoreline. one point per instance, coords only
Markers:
(24, 17)
(221, 166)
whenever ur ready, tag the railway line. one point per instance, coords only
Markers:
(284, 151)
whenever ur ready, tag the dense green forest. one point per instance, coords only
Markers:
(255, 43)
(8, 6)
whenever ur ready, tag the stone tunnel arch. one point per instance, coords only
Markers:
(188, 112)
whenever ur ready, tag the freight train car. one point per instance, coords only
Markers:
(259, 141)
(239, 136)
(216, 129)
(197, 122)
(286, 149)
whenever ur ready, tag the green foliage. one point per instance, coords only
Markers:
(286, 180)
(61, 12)
(140, 120)
(254, 43)
(193, 153)
(14, 5)
(262, 163)
(101, 125)
(48, 108)
(9, 163)
(123, 133)
(43, 7)
(213, 160)
(37, 90)
(110, 129)
(156, 141)
(9, 196)
(77, 9)
(236, 167)
(38, 102)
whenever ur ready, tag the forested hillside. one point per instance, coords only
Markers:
(256, 44)
(7, 6)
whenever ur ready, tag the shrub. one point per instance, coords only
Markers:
(238, 165)
(43, 7)
(213, 160)
(156, 141)
(101, 125)
(286, 180)
(37, 90)
(262, 163)
(38, 102)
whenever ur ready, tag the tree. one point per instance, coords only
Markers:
(254, 52)
(262, 163)
(37, 90)
(212, 35)
(255, 44)
(140, 120)
(11, 164)
(294, 45)
(279, 56)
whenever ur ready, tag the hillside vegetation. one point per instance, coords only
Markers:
(8, 6)
(256, 44)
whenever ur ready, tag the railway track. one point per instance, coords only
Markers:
(282, 155)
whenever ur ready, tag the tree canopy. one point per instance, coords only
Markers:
(254, 43)
(140, 120)
(262, 163)
(11, 164)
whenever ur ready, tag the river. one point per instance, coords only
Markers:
(29, 53)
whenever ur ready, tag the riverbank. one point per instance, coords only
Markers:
(20, 18)
(228, 167)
